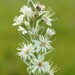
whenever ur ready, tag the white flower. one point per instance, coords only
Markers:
(40, 8)
(47, 19)
(27, 11)
(34, 31)
(19, 20)
(50, 32)
(26, 52)
(39, 64)
(22, 30)
(42, 44)
(51, 70)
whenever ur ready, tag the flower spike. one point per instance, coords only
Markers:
(35, 26)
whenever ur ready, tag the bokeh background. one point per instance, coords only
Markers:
(64, 44)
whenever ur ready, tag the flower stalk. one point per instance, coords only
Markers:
(35, 26)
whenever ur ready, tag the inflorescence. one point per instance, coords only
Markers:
(34, 25)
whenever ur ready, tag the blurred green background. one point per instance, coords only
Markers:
(64, 44)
